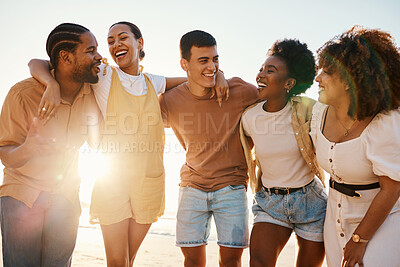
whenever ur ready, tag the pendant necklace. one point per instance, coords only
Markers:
(346, 132)
(129, 78)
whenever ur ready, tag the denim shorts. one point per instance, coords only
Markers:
(302, 211)
(229, 208)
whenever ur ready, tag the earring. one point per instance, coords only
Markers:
(287, 91)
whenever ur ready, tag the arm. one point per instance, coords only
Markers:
(34, 145)
(173, 81)
(377, 212)
(40, 70)
(221, 87)
(14, 156)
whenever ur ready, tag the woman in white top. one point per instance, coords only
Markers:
(288, 197)
(130, 198)
(357, 139)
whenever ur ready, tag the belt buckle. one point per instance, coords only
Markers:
(287, 191)
(358, 193)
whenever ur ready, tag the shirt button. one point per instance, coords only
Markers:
(338, 221)
(301, 149)
(297, 133)
(339, 205)
(330, 160)
(331, 147)
(341, 234)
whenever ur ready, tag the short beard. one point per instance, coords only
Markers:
(84, 75)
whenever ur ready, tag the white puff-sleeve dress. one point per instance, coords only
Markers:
(376, 152)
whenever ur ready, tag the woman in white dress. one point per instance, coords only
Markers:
(357, 140)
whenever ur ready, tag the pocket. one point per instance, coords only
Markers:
(319, 191)
(237, 187)
(260, 194)
(149, 194)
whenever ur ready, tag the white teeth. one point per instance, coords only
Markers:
(260, 84)
(120, 53)
(209, 75)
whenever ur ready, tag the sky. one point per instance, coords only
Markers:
(244, 30)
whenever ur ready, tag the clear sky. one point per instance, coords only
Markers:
(244, 29)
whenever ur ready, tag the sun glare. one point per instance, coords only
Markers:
(92, 165)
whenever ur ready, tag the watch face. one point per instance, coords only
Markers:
(356, 238)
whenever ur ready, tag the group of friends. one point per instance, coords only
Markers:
(233, 133)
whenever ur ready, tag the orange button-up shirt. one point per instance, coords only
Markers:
(72, 125)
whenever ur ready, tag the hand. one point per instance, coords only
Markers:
(49, 103)
(221, 88)
(37, 145)
(354, 253)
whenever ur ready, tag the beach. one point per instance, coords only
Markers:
(158, 249)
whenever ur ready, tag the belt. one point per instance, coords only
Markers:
(284, 191)
(350, 189)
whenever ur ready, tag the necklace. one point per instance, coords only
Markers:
(128, 78)
(346, 132)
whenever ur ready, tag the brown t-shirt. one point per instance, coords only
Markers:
(209, 134)
(71, 127)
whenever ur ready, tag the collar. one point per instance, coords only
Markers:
(85, 90)
(296, 99)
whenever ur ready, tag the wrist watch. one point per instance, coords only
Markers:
(357, 239)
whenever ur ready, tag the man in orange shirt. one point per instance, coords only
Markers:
(40, 205)
(214, 176)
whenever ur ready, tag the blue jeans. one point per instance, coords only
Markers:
(43, 235)
(302, 211)
(229, 208)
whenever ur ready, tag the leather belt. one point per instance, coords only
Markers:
(284, 191)
(351, 189)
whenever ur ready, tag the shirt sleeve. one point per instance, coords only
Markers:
(382, 144)
(251, 95)
(159, 82)
(13, 120)
(245, 124)
(317, 112)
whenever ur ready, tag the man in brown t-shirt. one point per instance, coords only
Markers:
(40, 205)
(214, 176)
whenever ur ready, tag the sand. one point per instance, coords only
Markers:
(156, 250)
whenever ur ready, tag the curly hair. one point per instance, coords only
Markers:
(369, 62)
(299, 62)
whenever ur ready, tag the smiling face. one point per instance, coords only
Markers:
(124, 48)
(86, 60)
(272, 79)
(331, 87)
(202, 67)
